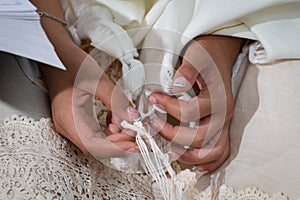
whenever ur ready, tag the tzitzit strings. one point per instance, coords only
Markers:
(156, 162)
(97, 23)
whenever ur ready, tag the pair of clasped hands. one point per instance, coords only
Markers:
(207, 63)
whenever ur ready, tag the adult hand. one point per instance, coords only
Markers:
(71, 93)
(208, 62)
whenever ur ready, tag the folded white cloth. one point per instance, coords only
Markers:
(162, 28)
(269, 22)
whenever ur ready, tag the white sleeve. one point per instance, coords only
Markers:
(274, 24)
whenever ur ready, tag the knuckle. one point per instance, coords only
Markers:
(187, 113)
(161, 99)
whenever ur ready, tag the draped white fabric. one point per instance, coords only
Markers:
(269, 22)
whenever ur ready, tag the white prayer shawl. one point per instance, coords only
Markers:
(169, 25)
(162, 28)
(275, 23)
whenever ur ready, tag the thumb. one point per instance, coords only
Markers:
(115, 99)
(184, 77)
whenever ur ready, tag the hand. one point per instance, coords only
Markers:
(208, 62)
(71, 92)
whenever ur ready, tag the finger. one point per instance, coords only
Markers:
(184, 111)
(100, 147)
(92, 79)
(193, 137)
(211, 166)
(116, 121)
(115, 99)
(184, 77)
(111, 149)
(117, 137)
(203, 155)
(108, 118)
(111, 129)
(129, 132)
(93, 139)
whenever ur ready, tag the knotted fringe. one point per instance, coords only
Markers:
(156, 162)
(96, 23)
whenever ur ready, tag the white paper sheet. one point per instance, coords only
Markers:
(21, 33)
(16, 5)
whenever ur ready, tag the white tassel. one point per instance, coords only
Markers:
(156, 162)
(96, 23)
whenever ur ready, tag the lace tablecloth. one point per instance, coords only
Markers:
(37, 163)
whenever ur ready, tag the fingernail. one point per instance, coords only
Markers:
(180, 81)
(133, 113)
(113, 128)
(148, 93)
(152, 99)
(198, 168)
(138, 119)
(133, 150)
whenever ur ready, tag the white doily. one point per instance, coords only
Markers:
(249, 193)
(37, 163)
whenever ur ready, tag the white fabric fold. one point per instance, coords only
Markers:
(276, 46)
(169, 25)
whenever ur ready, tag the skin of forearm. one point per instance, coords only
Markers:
(69, 53)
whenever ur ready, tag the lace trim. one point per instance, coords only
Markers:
(37, 163)
(249, 193)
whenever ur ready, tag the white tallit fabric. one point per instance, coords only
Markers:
(162, 28)
(264, 133)
(269, 22)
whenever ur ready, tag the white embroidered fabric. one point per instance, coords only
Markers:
(37, 163)
(249, 193)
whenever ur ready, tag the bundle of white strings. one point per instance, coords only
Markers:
(96, 22)
(158, 164)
